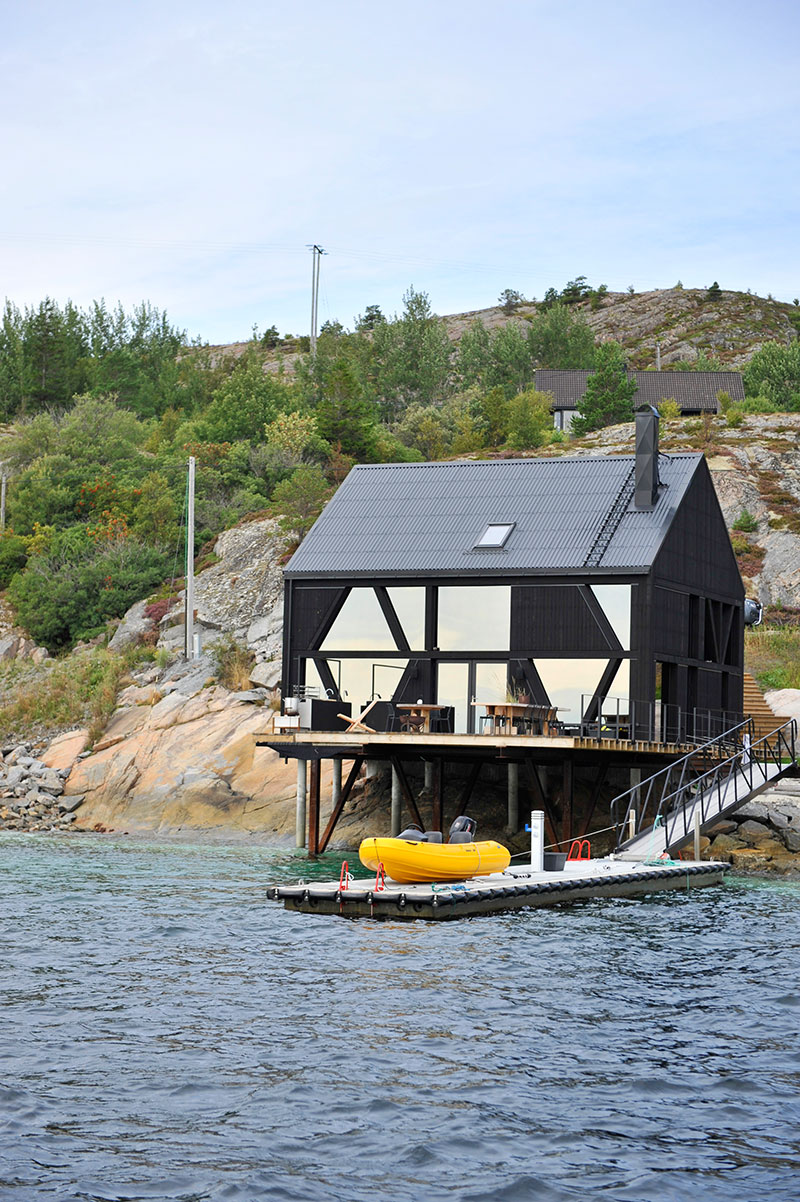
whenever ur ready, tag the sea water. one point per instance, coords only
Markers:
(167, 1033)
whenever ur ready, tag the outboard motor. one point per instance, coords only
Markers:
(463, 830)
(753, 612)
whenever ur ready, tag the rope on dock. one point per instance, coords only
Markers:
(551, 846)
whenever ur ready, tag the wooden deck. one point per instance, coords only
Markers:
(320, 744)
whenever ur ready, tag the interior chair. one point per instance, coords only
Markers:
(443, 721)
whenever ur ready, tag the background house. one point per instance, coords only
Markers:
(694, 391)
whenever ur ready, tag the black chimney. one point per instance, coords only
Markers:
(646, 493)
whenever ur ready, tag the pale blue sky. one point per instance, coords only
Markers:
(186, 153)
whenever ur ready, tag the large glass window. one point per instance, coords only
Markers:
(474, 618)
(452, 688)
(360, 625)
(409, 605)
(567, 680)
(615, 602)
(360, 680)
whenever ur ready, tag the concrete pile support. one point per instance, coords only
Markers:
(300, 806)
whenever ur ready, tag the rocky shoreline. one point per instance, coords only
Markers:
(762, 838)
(32, 792)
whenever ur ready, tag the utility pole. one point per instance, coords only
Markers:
(188, 621)
(316, 254)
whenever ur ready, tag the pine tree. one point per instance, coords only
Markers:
(609, 392)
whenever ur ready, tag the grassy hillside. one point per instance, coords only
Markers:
(102, 409)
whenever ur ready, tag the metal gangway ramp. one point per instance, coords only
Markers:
(660, 814)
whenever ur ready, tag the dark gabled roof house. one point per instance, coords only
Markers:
(573, 579)
(694, 391)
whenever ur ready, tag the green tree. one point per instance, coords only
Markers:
(344, 418)
(134, 356)
(774, 372)
(245, 402)
(12, 361)
(529, 419)
(412, 357)
(609, 392)
(294, 435)
(510, 365)
(575, 290)
(155, 519)
(474, 355)
(494, 416)
(424, 429)
(300, 499)
(510, 300)
(561, 339)
(370, 318)
(55, 347)
(714, 292)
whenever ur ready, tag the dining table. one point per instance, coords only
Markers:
(420, 714)
(517, 717)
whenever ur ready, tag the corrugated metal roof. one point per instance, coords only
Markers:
(691, 389)
(401, 519)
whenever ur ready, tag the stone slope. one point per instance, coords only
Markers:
(682, 320)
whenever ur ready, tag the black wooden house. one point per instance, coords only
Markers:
(592, 584)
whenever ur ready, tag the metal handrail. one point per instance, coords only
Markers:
(737, 768)
(665, 775)
(652, 722)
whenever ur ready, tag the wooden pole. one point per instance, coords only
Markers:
(313, 807)
(437, 817)
(513, 798)
(568, 786)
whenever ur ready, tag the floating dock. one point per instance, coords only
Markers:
(515, 889)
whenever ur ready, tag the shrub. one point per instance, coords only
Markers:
(232, 663)
(156, 610)
(13, 556)
(70, 592)
(734, 416)
(81, 689)
(669, 409)
(745, 522)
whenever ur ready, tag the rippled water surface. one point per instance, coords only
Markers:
(167, 1033)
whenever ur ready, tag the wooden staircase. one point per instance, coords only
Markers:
(755, 707)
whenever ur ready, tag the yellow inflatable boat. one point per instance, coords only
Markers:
(409, 862)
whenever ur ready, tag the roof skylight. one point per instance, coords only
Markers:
(495, 535)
